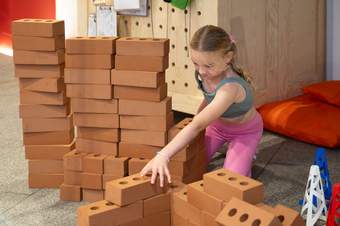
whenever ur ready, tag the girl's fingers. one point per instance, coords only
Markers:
(161, 176)
(154, 175)
(167, 173)
(145, 170)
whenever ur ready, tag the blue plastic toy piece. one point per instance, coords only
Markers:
(321, 161)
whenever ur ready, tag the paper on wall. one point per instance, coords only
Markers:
(106, 21)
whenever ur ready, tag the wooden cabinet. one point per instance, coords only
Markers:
(281, 43)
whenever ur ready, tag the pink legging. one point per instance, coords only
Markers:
(242, 138)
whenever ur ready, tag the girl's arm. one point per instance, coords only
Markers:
(225, 96)
(203, 104)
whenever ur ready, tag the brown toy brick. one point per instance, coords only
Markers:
(73, 160)
(100, 134)
(137, 150)
(216, 183)
(89, 61)
(72, 177)
(176, 186)
(43, 111)
(162, 218)
(87, 76)
(180, 168)
(208, 219)
(92, 195)
(100, 147)
(49, 138)
(47, 124)
(141, 63)
(89, 91)
(130, 46)
(91, 45)
(287, 216)
(96, 120)
(177, 220)
(105, 213)
(136, 165)
(109, 177)
(141, 93)
(38, 43)
(32, 97)
(45, 180)
(39, 57)
(45, 166)
(154, 138)
(154, 123)
(237, 212)
(147, 79)
(38, 27)
(70, 193)
(94, 163)
(48, 152)
(116, 166)
(52, 85)
(91, 180)
(94, 106)
(137, 107)
(39, 71)
(157, 204)
(203, 201)
(181, 207)
(130, 189)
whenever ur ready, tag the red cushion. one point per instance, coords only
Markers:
(328, 91)
(304, 118)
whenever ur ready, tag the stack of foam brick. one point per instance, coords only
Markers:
(46, 120)
(145, 114)
(89, 61)
(226, 198)
(130, 201)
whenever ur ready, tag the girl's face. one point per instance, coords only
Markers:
(210, 64)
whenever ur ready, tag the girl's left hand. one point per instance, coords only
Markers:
(158, 165)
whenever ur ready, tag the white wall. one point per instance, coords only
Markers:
(333, 40)
(74, 13)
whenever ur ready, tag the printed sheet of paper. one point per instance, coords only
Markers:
(106, 21)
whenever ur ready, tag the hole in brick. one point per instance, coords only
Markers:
(92, 37)
(232, 178)
(160, 26)
(243, 183)
(185, 193)
(281, 218)
(201, 184)
(94, 208)
(173, 82)
(142, 39)
(129, 39)
(141, 158)
(156, 39)
(173, 28)
(48, 21)
(160, 8)
(137, 23)
(256, 222)
(221, 174)
(173, 46)
(79, 37)
(186, 84)
(37, 20)
(105, 37)
(173, 10)
(185, 29)
(199, 13)
(76, 153)
(136, 178)
(232, 212)
(123, 182)
(97, 155)
(244, 217)
(173, 186)
(109, 204)
(26, 20)
(148, 175)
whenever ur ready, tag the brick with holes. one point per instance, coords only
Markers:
(91, 45)
(116, 166)
(39, 57)
(45, 166)
(154, 123)
(38, 27)
(157, 204)
(93, 195)
(70, 193)
(130, 189)
(137, 150)
(49, 138)
(74, 160)
(47, 124)
(98, 120)
(89, 61)
(87, 76)
(203, 201)
(208, 219)
(237, 212)
(140, 93)
(48, 152)
(94, 163)
(93, 146)
(21, 42)
(137, 107)
(146, 79)
(100, 134)
(141, 63)
(43, 111)
(43, 180)
(94, 106)
(159, 138)
(216, 183)
(105, 213)
(136, 165)
(72, 177)
(93, 91)
(51, 85)
(130, 46)
(287, 216)
(39, 71)
(91, 180)
(34, 97)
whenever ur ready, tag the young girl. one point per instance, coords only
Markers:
(227, 111)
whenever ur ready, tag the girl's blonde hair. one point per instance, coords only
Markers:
(212, 38)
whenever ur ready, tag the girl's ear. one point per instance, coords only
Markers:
(228, 57)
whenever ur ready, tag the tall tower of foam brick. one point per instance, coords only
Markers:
(39, 48)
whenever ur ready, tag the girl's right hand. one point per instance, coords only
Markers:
(157, 165)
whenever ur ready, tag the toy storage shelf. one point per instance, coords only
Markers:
(281, 43)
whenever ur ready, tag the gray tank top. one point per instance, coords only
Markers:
(236, 109)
